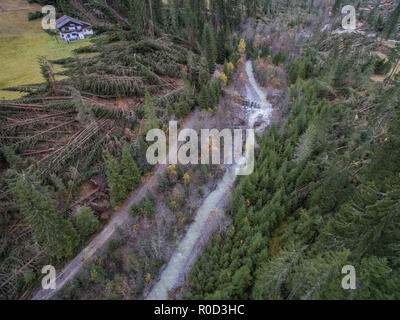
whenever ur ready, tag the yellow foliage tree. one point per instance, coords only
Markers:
(242, 46)
(186, 178)
(224, 78)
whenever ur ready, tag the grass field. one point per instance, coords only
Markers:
(21, 42)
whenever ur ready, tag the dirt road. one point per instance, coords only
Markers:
(119, 218)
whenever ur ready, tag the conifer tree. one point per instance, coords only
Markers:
(265, 50)
(86, 221)
(116, 181)
(158, 12)
(203, 98)
(209, 46)
(221, 46)
(173, 14)
(150, 116)
(392, 22)
(352, 229)
(51, 230)
(135, 11)
(336, 6)
(130, 170)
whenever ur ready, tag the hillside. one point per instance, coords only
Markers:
(22, 41)
(79, 193)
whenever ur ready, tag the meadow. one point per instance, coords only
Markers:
(21, 42)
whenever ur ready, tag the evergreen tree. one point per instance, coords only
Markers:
(173, 14)
(351, 227)
(116, 181)
(221, 46)
(86, 221)
(135, 11)
(392, 22)
(150, 116)
(64, 6)
(51, 229)
(209, 47)
(336, 6)
(265, 51)
(130, 171)
(279, 57)
(203, 98)
(158, 12)
(379, 23)
(271, 277)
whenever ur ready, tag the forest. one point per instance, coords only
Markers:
(325, 189)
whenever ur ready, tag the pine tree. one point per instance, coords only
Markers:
(221, 46)
(379, 24)
(135, 11)
(86, 221)
(392, 22)
(203, 98)
(150, 116)
(116, 181)
(209, 46)
(173, 14)
(64, 6)
(158, 12)
(279, 57)
(336, 6)
(265, 50)
(271, 277)
(130, 171)
(310, 277)
(222, 18)
(51, 229)
(351, 227)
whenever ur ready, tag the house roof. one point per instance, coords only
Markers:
(66, 19)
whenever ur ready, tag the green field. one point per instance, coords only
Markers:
(21, 42)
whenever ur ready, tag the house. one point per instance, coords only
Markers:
(73, 29)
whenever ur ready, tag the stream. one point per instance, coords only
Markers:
(259, 111)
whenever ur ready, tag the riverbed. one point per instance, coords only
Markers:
(258, 110)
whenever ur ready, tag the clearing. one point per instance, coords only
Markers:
(21, 42)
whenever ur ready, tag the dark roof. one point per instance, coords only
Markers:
(65, 19)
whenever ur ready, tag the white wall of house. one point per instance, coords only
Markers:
(74, 32)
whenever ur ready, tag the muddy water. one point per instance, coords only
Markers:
(207, 215)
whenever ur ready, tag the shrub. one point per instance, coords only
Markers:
(382, 66)
(35, 15)
(144, 207)
(279, 57)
